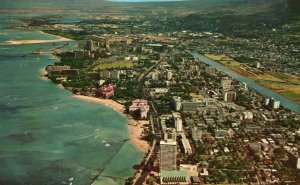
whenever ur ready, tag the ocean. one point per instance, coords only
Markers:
(46, 135)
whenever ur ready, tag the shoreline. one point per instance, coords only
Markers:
(58, 36)
(23, 42)
(43, 73)
(135, 127)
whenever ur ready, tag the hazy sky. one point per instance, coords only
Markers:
(61, 4)
(143, 0)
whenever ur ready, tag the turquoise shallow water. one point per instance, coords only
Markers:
(46, 135)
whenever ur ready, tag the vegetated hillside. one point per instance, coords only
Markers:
(248, 14)
(294, 5)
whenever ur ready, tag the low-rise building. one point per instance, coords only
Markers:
(189, 122)
(191, 106)
(57, 68)
(219, 134)
(61, 70)
(131, 58)
(256, 147)
(195, 180)
(180, 177)
(104, 74)
(191, 169)
(196, 133)
(170, 133)
(247, 115)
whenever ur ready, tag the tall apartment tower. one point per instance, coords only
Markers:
(168, 152)
(177, 121)
(226, 83)
(229, 96)
(177, 101)
(89, 45)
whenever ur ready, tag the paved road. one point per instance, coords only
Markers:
(144, 171)
(143, 75)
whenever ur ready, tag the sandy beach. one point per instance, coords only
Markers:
(19, 42)
(43, 71)
(135, 127)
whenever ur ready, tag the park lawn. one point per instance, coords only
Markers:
(225, 60)
(286, 77)
(113, 65)
(294, 37)
(217, 57)
(198, 96)
(268, 77)
(144, 57)
(293, 96)
(232, 64)
(290, 91)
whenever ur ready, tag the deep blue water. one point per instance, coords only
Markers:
(46, 135)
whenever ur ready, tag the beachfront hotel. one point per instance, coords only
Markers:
(142, 106)
(106, 91)
(168, 153)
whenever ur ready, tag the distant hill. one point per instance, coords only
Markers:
(196, 6)
(279, 8)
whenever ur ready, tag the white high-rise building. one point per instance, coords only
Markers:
(154, 75)
(229, 96)
(267, 101)
(177, 103)
(258, 65)
(244, 86)
(89, 45)
(178, 121)
(226, 83)
(275, 104)
(168, 153)
(169, 75)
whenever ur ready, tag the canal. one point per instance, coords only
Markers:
(287, 103)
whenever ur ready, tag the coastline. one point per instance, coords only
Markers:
(22, 42)
(134, 154)
(59, 37)
(135, 127)
(43, 73)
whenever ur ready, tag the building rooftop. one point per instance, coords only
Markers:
(195, 179)
(168, 142)
(175, 174)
